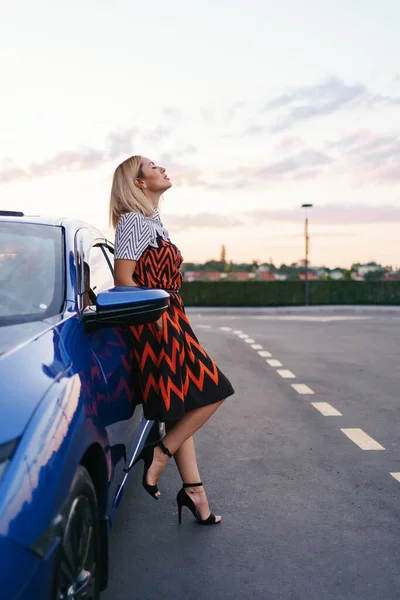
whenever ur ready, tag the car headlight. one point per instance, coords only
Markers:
(6, 452)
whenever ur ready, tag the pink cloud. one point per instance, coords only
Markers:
(333, 214)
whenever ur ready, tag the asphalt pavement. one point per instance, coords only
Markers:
(307, 512)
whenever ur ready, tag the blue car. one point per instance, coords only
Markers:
(71, 420)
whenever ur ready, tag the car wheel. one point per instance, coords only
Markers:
(77, 576)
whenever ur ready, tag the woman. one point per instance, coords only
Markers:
(180, 384)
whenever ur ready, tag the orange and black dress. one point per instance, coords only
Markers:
(175, 374)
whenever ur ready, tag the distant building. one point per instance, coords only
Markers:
(240, 276)
(212, 275)
(193, 276)
(364, 269)
(311, 276)
(356, 277)
(320, 272)
(336, 274)
(392, 276)
(265, 275)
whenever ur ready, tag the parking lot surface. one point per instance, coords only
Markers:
(303, 463)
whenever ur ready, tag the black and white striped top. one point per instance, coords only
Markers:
(135, 233)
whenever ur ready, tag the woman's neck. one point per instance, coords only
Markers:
(154, 198)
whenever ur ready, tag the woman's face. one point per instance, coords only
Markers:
(154, 178)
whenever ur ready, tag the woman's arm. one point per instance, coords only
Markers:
(123, 272)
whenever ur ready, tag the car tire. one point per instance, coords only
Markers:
(76, 572)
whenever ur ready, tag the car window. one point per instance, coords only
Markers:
(100, 271)
(31, 272)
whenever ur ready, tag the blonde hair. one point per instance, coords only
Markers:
(125, 195)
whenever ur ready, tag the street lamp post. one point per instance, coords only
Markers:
(305, 206)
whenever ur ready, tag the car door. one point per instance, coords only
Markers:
(119, 411)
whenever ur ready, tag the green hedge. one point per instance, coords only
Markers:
(289, 293)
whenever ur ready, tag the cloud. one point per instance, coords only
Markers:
(157, 134)
(172, 113)
(69, 161)
(257, 129)
(389, 174)
(118, 144)
(307, 174)
(376, 155)
(185, 150)
(348, 141)
(201, 220)
(307, 164)
(79, 160)
(11, 173)
(332, 91)
(232, 112)
(290, 142)
(332, 214)
(375, 100)
(181, 174)
(329, 214)
(294, 164)
(323, 99)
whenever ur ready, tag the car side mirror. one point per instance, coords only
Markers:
(126, 306)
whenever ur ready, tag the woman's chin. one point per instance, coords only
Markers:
(168, 184)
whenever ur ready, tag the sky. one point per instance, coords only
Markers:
(254, 108)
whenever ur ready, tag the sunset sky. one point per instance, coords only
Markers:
(254, 107)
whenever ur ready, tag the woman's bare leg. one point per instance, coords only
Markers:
(186, 461)
(178, 434)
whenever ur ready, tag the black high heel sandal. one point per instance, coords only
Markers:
(147, 455)
(183, 499)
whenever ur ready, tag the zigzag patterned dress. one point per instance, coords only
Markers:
(175, 374)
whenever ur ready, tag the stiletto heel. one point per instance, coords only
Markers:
(183, 499)
(147, 455)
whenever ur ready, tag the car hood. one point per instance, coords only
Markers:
(12, 336)
(26, 373)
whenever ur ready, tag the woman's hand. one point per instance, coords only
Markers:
(159, 325)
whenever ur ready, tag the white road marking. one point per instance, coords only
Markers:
(274, 363)
(225, 328)
(302, 388)
(256, 346)
(396, 476)
(238, 331)
(286, 374)
(264, 353)
(362, 439)
(326, 409)
(249, 341)
(243, 336)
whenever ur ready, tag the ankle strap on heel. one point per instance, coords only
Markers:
(186, 485)
(164, 448)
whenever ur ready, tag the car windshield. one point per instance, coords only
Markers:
(31, 272)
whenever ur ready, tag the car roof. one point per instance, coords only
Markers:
(14, 218)
(67, 223)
